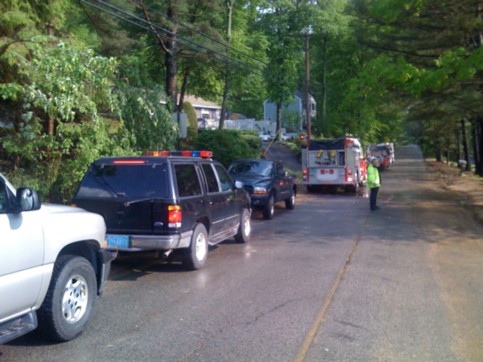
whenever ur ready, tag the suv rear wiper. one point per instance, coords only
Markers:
(101, 180)
(129, 203)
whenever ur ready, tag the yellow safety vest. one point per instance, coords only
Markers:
(373, 179)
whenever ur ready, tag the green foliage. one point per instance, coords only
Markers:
(69, 88)
(228, 145)
(192, 122)
(68, 81)
(253, 141)
(147, 120)
(435, 48)
(291, 120)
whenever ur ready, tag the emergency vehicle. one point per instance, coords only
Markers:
(385, 153)
(334, 162)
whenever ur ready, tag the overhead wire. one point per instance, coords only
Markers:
(204, 35)
(148, 26)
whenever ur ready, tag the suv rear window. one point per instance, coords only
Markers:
(124, 181)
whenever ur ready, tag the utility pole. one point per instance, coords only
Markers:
(308, 30)
(307, 84)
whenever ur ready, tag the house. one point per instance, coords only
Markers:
(208, 113)
(293, 114)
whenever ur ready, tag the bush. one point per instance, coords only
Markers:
(228, 145)
(192, 122)
(253, 141)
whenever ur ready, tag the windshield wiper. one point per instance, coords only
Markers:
(129, 203)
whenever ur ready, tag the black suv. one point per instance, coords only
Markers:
(165, 201)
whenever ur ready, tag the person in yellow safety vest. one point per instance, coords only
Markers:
(373, 181)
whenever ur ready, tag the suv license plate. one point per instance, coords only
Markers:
(118, 241)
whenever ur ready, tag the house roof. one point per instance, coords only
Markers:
(200, 102)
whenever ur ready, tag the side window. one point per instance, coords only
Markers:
(225, 180)
(187, 180)
(341, 158)
(211, 181)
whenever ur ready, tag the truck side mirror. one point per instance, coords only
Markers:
(27, 200)
(239, 184)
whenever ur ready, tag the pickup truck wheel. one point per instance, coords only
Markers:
(245, 228)
(69, 300)
(195, 256)
(269, 208)
(290, 202)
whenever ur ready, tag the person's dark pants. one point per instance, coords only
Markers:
(373, 198)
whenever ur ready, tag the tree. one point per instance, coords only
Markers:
(63, 123)
(283, 22)
(441, 42)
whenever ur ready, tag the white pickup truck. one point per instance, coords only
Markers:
(52, 265)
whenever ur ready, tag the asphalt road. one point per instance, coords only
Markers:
(328, 281)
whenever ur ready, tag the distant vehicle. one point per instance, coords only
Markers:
(267, 183)
(264, 136)
(334, 163)
(52, 265)
(180, 202)
(288, 136)
(385, 153)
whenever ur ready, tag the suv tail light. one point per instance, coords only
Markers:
(174, 216)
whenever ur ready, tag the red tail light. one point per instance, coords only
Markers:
(348, 175)
(174, 216)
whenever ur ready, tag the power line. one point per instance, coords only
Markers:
(204, 35)
(148, 26)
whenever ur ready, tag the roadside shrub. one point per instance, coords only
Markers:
(227, 145)
(253, 141)
(192, 122)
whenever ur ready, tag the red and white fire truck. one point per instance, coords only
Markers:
(334, 162)
(384, 152)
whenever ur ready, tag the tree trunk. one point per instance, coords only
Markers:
(438, 154)
(224, 103)
(171, 59)
(324, 86)
(278, 122)
(184, 85)
(457, 139)
(478, 145)
(465, 146)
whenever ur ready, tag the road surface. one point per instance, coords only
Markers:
(327, 281)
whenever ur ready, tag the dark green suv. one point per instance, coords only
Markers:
(166, 201)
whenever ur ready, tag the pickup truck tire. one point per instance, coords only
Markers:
(195, 256)
(269, 208)
(245, 228)
(290, 202)
(69, 300)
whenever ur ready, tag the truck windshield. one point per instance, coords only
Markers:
(139, 181)
(256, 167)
